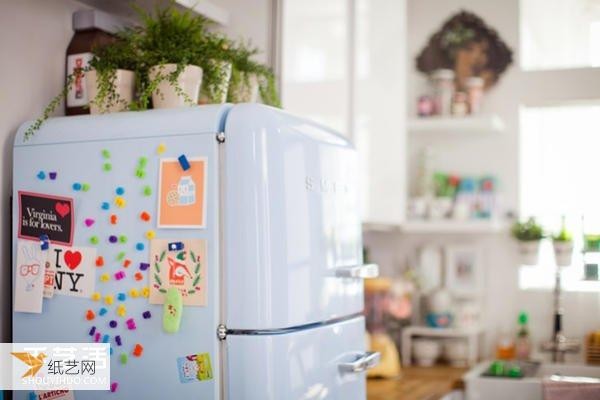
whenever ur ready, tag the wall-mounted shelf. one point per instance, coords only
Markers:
(439, 226)
(124, 10)
(452, 125)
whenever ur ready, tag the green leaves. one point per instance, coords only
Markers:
(529, 230)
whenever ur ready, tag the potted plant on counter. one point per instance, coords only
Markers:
(563, 246)
(170, 43)
(529, 234)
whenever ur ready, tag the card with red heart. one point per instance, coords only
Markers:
(44, 214)
(74, 270)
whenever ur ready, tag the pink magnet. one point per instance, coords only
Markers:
(114, 386)
(119, 275)
(97, 337)
(130, 324)
(89, 222)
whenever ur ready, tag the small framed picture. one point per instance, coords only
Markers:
(463, 271)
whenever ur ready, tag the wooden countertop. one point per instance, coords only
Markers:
(417, 383)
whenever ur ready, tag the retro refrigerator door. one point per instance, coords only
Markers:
(292, 223)
(154, 375)
(326, 362)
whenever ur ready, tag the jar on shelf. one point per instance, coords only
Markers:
(460, 105)
(425, 106)
(442, 81)
(474, 85)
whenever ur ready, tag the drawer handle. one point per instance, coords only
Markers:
(358, 271)
(366, 361)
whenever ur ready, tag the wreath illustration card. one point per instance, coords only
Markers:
(184, 269)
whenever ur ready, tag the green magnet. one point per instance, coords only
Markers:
(140, 173)
(85, 187)
(172, 310)
(107, 167)
(147, 190)
(121, 256)
(105, 153)
(123, 358)
(122, 239)
(142, 162)
(94, 240)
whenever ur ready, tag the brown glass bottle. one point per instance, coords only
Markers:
(90, 28)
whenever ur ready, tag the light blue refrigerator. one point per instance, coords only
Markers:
(251, 214)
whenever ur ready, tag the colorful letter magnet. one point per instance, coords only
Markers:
(172, 310)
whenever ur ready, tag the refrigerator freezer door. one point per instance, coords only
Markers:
(300, 365)
(291, 221)
(155, 374)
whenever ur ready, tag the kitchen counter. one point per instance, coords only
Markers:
(417, 383)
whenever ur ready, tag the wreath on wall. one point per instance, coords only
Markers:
(466, 45)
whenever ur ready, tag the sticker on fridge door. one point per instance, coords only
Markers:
(43, 214)
(195, 367)
(74, 270)
(182, 193)
(180, 264)
(54, 395)
(29, 277)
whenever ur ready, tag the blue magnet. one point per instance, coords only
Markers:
(120, 191)
(105, 205)
(44, 242)
(175, 246)
(77, 186)
(41, 175)
(183, 161)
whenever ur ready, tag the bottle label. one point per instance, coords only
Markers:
(77, 96)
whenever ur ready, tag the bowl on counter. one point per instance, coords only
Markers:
(456, 352)
(426, 351)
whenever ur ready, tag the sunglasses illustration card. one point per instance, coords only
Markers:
(29, 277)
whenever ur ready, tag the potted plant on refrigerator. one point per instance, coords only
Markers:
(111, 76)
(529, 234)
(250, 78)
(170, 42)
(563, 246)
(216, 63)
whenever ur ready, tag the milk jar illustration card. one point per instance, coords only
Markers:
(74, 270)
(43, 214)
(179, 264)
(182, 193)
(29, 277)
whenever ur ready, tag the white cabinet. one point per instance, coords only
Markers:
(343, 64)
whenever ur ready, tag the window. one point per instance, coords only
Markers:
(559, 176)
(557, 34)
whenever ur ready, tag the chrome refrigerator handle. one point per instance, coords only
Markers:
(358, 271)
(366, 361)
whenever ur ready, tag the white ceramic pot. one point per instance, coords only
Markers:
(563, 252)
(426, 351)
(216, 92)
(456, 352)
(123, 87)
(439, 301)
(529, 251)
(440, 207)
(243, 89)
(166, 95)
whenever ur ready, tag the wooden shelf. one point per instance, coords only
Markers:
(456, 125)
(439, 226)
(124, 10)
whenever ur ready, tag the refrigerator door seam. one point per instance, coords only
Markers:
(220, 137)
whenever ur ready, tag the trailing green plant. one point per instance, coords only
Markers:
(54, 103)
(527, 231)
(563, 235)
(244, 67)
(216, 58)
(167, 36)
(106, 60)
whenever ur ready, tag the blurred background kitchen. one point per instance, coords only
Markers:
(477, 125)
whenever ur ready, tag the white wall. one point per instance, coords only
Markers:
(497, 154)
